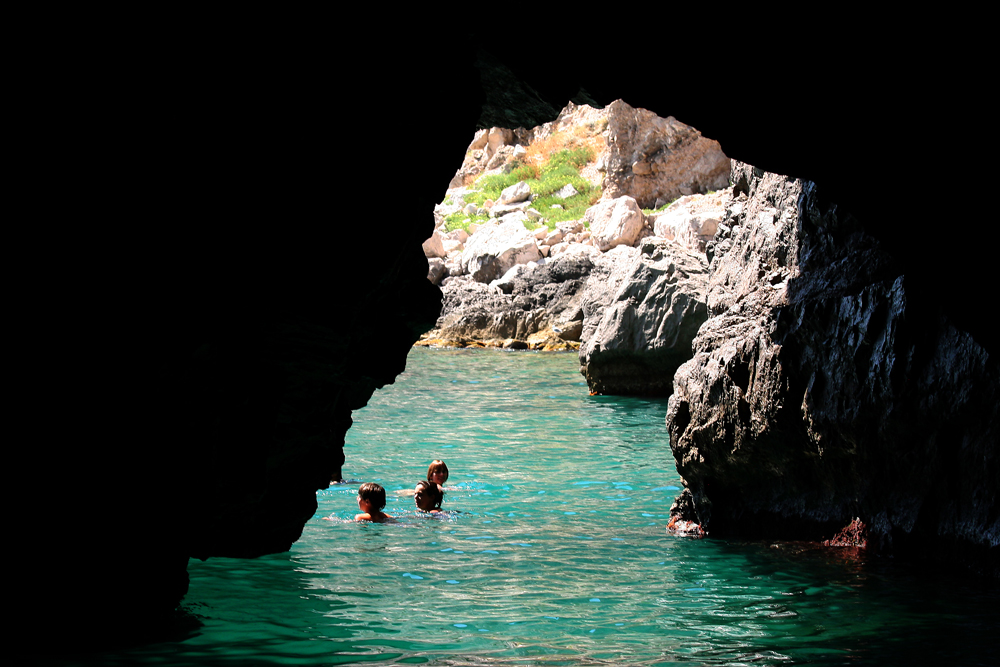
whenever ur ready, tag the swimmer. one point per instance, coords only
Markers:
(427, 496)
(371, 501)
(437, 472)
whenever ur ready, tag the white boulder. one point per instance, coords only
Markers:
(615, 222)
(692, 220)
(514, 193)
(498, 246)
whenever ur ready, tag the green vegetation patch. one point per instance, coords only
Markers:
(462, 220)
(561, 169)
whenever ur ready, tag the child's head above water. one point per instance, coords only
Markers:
(437, 472)
(427, 496)
(373, 494)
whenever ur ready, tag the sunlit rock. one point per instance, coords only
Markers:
(643, 307)
(655, 160)
(615, 222)
(495, 248)
(693, 220)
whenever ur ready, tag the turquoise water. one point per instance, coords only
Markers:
(554, 552)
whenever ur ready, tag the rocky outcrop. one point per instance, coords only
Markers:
(497, 247)
(678, 161)
(692, 220)
(655, 160)
(820, 391)
(537, 305)
(643, 307)
(615, 222)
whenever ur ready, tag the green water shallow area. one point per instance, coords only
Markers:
(553, 552)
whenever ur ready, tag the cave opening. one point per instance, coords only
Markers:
(129, 424)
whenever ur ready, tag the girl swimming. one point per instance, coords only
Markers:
(427, 496)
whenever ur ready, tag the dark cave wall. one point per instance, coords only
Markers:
(194, 341)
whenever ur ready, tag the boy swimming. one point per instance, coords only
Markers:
(371, 501)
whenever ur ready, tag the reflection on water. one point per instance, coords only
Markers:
(554, 552)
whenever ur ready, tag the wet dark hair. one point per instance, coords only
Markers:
(437, 464)
(431, 489)
(372, 493)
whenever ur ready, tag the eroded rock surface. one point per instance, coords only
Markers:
(540, 301)
(819, 393)
(643, 307)
(668, 159)
(615, 222)
(692, 220)
(655, 160)
(497, 247)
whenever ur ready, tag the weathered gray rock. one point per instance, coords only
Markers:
(496, 247)
(615, 222)
(492, 150)
(570, 226)
(643, 307)
(693, 220)
(459, 235)
(655, 160)
(505, 283)
(565, 191)
(817, 393)
(436, 270)
(553, 237)
(499, 210)
(501, 160)
(528, 299)
(452, 245)
(512, 194)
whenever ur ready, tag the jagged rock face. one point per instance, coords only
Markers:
(655, 160)
(643, 307)
(536, 298)
(820, 391)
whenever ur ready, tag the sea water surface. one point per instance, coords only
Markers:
(553, 552)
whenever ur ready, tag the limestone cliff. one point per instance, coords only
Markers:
(820, 391)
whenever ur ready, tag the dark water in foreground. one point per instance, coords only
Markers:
(556, 555)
